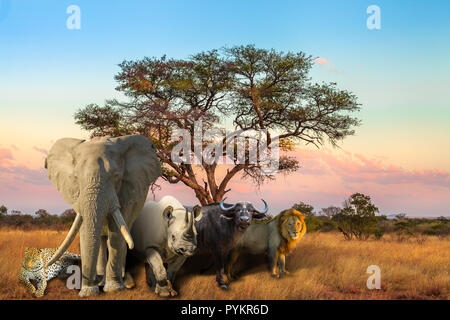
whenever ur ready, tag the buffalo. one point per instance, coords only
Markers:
(221, 227)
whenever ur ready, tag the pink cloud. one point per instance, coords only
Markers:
(5, 154)
(326, 177)
(358, 168)
(320, 60)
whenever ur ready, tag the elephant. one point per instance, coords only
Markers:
(106, 180)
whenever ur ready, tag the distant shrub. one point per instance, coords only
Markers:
(313, 224)
(437, 230)
(378, 233)
(328, 225)
(357, 219)
(68, 216)
(442, 219)
(304, 208)
(42, 220)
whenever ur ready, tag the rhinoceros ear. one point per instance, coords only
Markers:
(167, 213)
(197, 210)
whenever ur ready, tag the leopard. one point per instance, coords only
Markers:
(33, 268)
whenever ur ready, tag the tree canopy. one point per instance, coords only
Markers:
(251, 88)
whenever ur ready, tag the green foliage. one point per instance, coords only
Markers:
(442, 219)
(304, 208)
(404, 227)
(106, 120)
(313, 224)
(68, 216)
(439, 229)
(357, 219)
(378, 233)
(3, 210)
(328, 225)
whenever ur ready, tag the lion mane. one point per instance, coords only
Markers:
(287, 243)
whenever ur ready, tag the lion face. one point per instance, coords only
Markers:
(291, 227)
(294, 226)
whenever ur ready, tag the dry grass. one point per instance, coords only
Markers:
(323, 266)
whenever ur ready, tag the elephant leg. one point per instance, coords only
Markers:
(102, 260)
(90, 245)
(117, 251)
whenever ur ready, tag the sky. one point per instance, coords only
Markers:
(400, 155)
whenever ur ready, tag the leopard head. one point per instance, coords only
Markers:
(32, 260)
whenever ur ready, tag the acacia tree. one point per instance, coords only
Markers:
(304, 208)
(255, 89)
(330, 211)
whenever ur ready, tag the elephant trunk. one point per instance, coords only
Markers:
(67, 241)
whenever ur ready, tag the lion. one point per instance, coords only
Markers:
(275, 237)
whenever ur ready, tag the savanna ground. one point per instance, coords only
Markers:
(323, 266)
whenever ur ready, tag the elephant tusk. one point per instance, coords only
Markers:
(67, 241)
(118, 219)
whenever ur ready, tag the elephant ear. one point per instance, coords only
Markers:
(60, 165)
(141, 168)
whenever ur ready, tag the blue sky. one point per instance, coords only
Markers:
(400, 73)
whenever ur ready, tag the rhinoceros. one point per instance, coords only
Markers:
(164, 232)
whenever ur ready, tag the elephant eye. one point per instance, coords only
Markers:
(173, 238)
